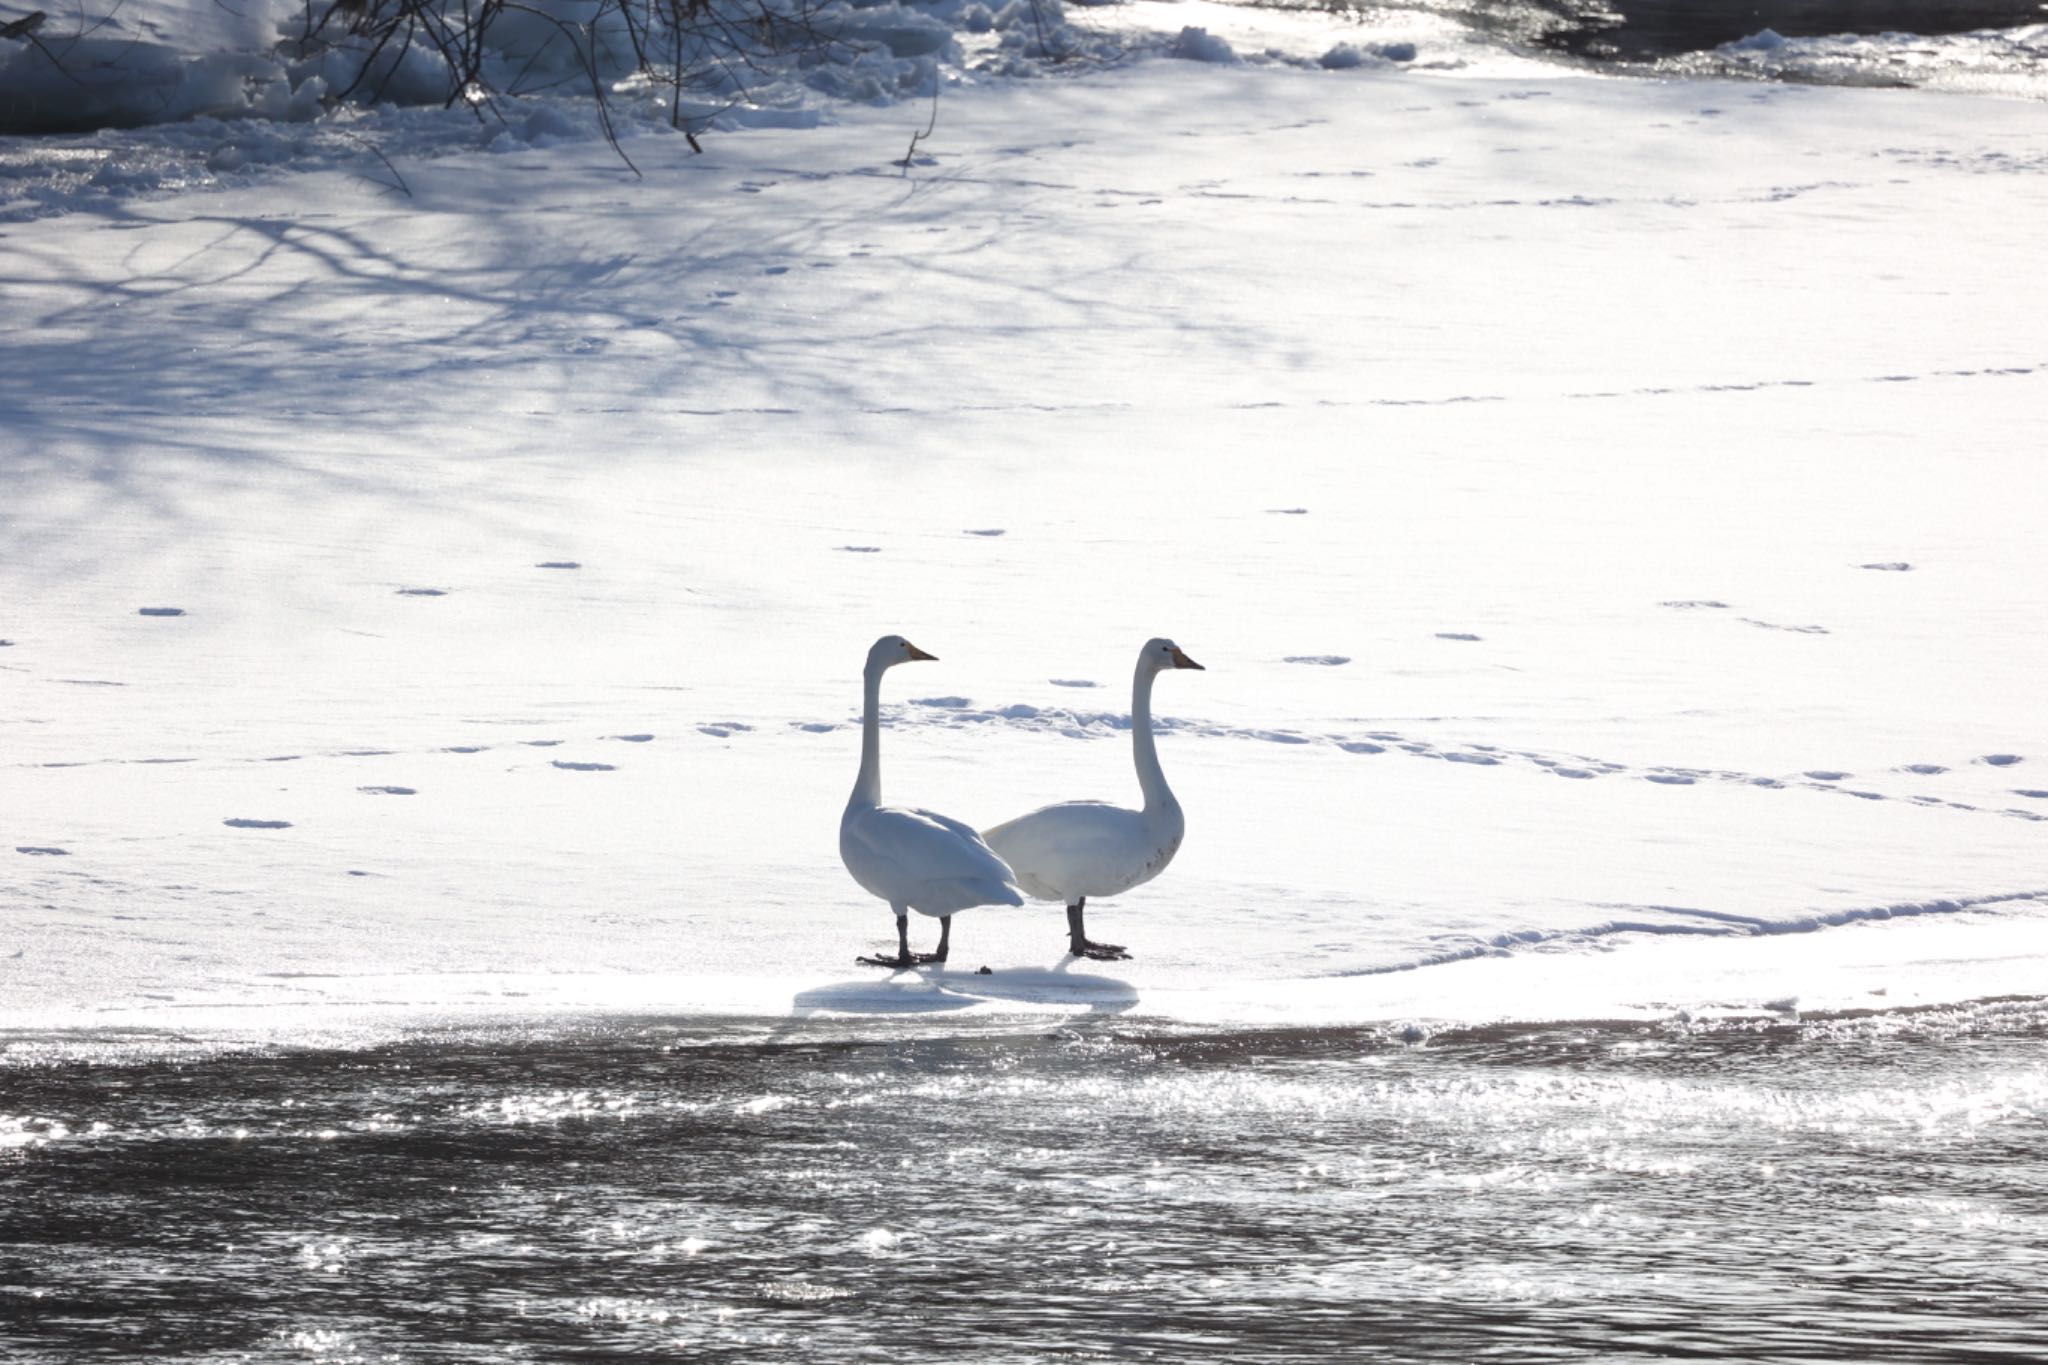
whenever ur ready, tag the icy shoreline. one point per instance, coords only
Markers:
(1598, 504)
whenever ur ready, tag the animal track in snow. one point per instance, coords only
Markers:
(1455, 635)
(1328, 660)
(423, 592)
(634, 739)
(723, 729)
(1072, 682)
(240, 822)
(160, 611)
(1691, 604)
(558, 564)
(40, 851)
(1893, 566)
(990, 531)
(1773, 625)
(388, 791)
(2001, 760)
(1288, 511)
(585, 767)
(959, 712)
(1923, 769)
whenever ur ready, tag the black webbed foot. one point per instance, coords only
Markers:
(1099, 952)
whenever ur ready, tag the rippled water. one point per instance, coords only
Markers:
(1980, 46)
(1870, 1189)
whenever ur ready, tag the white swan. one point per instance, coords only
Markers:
(1079, 849)
(913, 859)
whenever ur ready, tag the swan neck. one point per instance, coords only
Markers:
(867, 788)
(1151, 778)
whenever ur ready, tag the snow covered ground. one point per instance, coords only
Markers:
(1609, 512)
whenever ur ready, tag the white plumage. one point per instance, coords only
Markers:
(1079, 849)
(913, 859)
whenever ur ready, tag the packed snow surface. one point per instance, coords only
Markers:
(435, 584)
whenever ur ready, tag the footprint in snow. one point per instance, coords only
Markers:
(1826, 775)
(240, 823)
(160, 611)
(1923, 769)
(1072, 682)
(423, 592)
(1484, 760)
(1891, 566)
(814, 727)
(6, 644)
(2018, 791)
(2000, 760)
(1669, 779)
(1691, 604)
(569, 766)
(37, 851)
(1359, 746)
(1773, 625)
(558, 564)
(388, 791)
(1287, 511)
(1455, 635)
(634, 739)
(540, 743)
(943, 703)
(989, 531)
(1327, 660)
(463, 749)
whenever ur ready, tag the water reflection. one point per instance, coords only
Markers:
(1791, 1191)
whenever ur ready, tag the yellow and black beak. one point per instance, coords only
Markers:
(916, 653)
(1181, 660)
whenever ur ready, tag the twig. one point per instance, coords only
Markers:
(378, 152)
(937, 82)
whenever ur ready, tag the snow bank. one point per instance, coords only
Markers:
(446, 604)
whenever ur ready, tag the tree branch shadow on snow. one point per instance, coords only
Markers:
(400, 317)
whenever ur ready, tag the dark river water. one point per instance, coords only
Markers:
(1868, 1189)
(1644, 30)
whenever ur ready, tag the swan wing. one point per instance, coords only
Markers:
(1080, 848)
(929, 862)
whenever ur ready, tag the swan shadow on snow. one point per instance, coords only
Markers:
(937, 989)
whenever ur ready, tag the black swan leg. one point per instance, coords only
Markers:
(1079, 944)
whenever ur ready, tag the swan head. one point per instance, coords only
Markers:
(1162, 654)
(891, 650)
